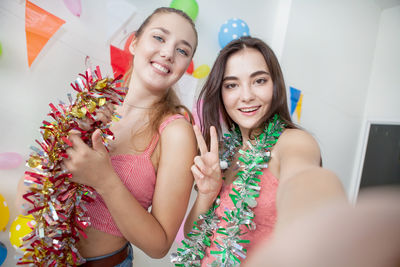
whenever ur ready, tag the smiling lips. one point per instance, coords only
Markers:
(161, 68)
(249, 110)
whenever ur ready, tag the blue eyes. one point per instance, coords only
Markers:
(158, 38)
(179, 50)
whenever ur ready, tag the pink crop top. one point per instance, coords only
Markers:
(138, 175)
(265, 214)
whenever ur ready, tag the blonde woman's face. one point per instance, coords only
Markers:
(163, 52)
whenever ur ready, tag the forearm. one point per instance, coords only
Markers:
(201, 205)
(136, 224)
(305, 192)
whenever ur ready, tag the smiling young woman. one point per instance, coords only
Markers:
(271, 173)
(148, 163)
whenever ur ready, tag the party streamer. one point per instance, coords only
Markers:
(57, 204)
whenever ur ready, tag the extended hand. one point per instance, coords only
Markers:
(206, 169)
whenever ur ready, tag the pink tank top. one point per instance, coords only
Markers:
(138, 175)
(265, 215)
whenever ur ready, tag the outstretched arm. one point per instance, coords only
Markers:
(303, 184)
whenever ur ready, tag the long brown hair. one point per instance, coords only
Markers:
(213, 106)
(170, 103)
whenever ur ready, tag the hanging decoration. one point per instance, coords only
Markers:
(74, 6)
(298, 107)
(120, 60)
(40, 26)
(57, 203)
(294, 98)
(245, 190)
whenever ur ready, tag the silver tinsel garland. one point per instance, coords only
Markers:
(243, 195)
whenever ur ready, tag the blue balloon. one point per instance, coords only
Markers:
(232, 29)
(3, 253)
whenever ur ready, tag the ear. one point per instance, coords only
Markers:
(132, 46)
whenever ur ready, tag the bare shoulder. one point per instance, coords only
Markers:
(297, 139)
(297, 147)
(178, 130)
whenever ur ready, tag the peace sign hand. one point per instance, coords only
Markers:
(206, 169)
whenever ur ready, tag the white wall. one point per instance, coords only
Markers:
(383, 95)
(328, 53)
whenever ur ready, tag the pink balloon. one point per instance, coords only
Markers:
(74, 6)
(10, 160)
(180, 235)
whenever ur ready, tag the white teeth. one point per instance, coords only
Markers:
(248, 109)
(160, 68)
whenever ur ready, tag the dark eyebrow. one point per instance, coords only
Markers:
(254, 74)
(168, 32)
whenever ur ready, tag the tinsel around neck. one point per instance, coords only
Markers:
(245, 191)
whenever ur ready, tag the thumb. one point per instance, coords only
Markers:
(97, 141)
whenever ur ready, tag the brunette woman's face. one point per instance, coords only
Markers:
(247, 88)
(163, 51)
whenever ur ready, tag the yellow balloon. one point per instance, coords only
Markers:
(201, 71)
(20, 227)
(4, 213)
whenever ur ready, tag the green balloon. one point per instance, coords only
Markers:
(1, 50)
(190, 7)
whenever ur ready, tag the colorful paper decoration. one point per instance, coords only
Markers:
(298, 108)
(40, 26)
(190, 68)
(120, 60)
(294, 98)
(4, 213)
(74, 6)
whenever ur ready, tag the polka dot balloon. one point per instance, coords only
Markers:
(21, 226)
(4, 213)
(232, 29)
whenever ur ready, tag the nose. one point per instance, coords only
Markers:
(167, 52)
(246, 94)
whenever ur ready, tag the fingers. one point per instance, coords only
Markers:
(97, 141)
(200, 140)
(104, 114)
(214, 140)
(196, 173)
(200, 164)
